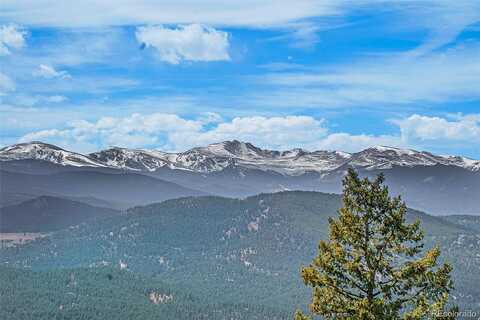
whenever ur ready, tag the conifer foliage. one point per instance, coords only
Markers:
(373, 266)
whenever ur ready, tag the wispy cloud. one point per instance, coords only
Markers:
(49, 72)
(442, 20)
(29, 101)
(214, 12)
(433, 78)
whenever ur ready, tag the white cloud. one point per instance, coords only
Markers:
(11, 37)
(172, 132)
(424, 128)
(132, 131)
(353, 143)
(192, 42)
(45, 135)
(273, 132)
(49, 72)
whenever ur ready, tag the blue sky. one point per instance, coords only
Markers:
(341, 75)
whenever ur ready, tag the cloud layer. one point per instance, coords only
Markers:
(172, 132)
(123, 12)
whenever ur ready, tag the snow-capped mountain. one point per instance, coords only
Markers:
(290, 162)
(218, 156)
(197, 159)
(43, 151)
(381, 157)
(132, 159)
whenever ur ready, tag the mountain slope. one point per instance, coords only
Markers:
(45, 213)
(97, 294)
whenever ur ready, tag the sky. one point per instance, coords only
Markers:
(171, 75)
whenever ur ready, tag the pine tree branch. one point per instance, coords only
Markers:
(347, 294)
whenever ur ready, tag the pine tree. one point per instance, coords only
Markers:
(372, 267)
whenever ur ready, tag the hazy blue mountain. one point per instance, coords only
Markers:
(119, 187)
(45, 213)
(9, 198)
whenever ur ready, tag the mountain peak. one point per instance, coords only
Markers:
(393, 149)
(233, 149)
(37, 150)
(30, 146)
(131, 159)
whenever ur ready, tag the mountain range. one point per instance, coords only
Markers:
(219, 156)
(126, 177)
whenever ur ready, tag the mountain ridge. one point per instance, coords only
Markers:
(218, 156)
(48, 213)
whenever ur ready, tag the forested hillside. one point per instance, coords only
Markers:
(109, 293)
(228, 250)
